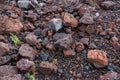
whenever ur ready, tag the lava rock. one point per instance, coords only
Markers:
(87, 19)
(114, 39)
(69, 52)
(26, 51)
(26, 65)
(37, 32)
(28, 26)
(79, 46)
(2, 38)
(32, 17)
(44, 56)
(85, 8)
(108, 4)
(63, 41)
(90, 29)
(12, 25)
(34, 2)
(25, 4)
(92, 46)
(85, 41)
(109, 76)
(47, 68)
(116, 45)
(13, 77)
(49, 46)
(45, 41)
(98, 58)
(4, 48)
(70, 19)
(31, 39)
(52, 26)
(4, 59)
(6, 70)
(57, 23)
(112, 67)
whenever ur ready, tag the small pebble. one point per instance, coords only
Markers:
(97, 14)
(44, 56)
(112, 67)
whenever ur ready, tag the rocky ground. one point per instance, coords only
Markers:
(60, 40)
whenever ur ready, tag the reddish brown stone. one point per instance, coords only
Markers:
(2, 38)
(4, 59)
(4, 48)
(98, 58)
(26, 51)
(31, 16)
(116, 45)
(12, 25)
(70, 19)
(47, 67)
(13, 77)
(85, 41)
(90, 29)
(69, 52)
(15, 57)
(87, 19)
(114, 39)
(82, 28)
(49, 46)
(31, 39)
(103, 33)
(79, 46)
(108, 4)
(28, 26)
(8, 70)
(63, 41)
(109, 76)
(26, 65)
(85, 8)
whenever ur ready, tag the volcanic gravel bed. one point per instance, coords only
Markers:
(60, 39)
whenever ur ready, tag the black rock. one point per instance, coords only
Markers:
(112, 67)
(37, 32)
(44, 56)
(87, 68)
(45, 41)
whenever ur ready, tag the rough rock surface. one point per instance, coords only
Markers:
(108, 4)
(70, 19)
(26, 65)
(63, 41)
(69, 52)
(4, 48)
(4, 59)
(6, 70)
(13, 77)
(109, 76)
(26, 51)
(98, 58)
(46, 67)
(87, 19)
(31, 39)
(12, 25)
